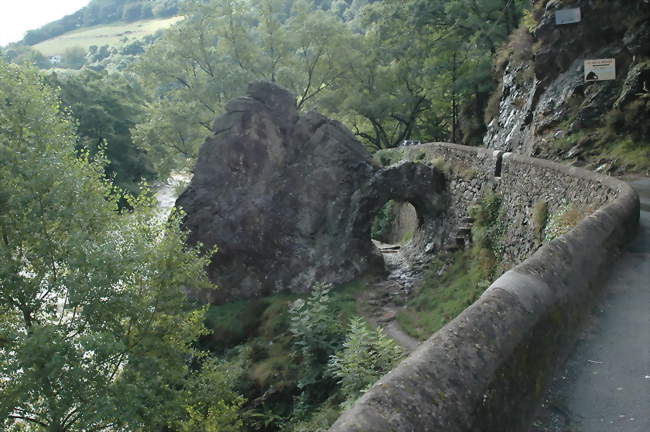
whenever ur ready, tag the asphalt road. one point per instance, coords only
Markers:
(605, 384)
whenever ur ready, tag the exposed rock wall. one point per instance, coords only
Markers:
(288, 199)
(545, 107)
(405, 223)
(485, 370)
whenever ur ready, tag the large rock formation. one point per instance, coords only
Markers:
(547, 109)
(289, 199)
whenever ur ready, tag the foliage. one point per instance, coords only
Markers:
(233, 323)
(114, 35)
(387, 84)
(383, 222)
(96, 331)
(451, 284)
(24, 55)
(317, 420)
(107, 107)
(454, 282)
(208, 59)
(212, 405)
(103, 12)
(540, 218)
(317, 334)
(563, 220)
(487, 233)
(366, 356)
(73, 58)
(273, 362)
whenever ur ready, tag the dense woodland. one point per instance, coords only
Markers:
(95, 331)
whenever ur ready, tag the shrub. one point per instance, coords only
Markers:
(563, 221)
(487, 233)
(540, 217)
(316, 334)
(366, 356)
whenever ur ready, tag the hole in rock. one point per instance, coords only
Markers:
(394, 225)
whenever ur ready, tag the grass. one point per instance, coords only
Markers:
(564, 220)
(455, 281)
(267, 318)
(635, 157)
(106, 34)
(441, 298)
(387, 157)
(260, 329)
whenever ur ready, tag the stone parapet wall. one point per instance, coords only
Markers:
(485, 370)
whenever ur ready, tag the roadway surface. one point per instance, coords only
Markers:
(605, 384)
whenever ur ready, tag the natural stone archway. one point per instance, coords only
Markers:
(289, 199)
(420, 184)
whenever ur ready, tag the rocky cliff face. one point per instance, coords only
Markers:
(289, 199)
(547, 109)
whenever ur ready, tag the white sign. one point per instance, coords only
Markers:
(568, 16)
(600, 70)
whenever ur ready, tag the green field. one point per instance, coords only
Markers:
(106, 34)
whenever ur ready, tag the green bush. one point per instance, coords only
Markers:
(366, 356)
(233, 323)
(316, 335)
(563, 221)
(540, 217)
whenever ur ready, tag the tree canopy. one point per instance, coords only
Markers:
(391, 70)
(95, 329)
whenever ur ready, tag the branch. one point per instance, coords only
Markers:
(29, 419)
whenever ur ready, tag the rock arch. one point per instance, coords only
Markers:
(289, 198)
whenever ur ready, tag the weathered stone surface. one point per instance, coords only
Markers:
(539, 111)
(486, 370)
(289, 199)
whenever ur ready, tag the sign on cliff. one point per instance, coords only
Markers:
(568, 16)
(600, 70)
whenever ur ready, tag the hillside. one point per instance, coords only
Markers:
(103, 12)
(112, 34)
(547, 106)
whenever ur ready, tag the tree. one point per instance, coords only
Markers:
(95, 330)
(107, 107)
(208, 59)
(73, 58)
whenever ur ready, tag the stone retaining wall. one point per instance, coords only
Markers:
(485, 370)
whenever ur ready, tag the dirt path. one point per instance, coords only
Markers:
(381, 304)
(605, 384)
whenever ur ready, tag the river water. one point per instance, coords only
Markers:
(167, 192)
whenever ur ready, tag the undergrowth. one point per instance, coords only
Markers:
(259, 332)
(563, 220)
(455, 281)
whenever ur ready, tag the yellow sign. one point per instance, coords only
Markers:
(600, 70)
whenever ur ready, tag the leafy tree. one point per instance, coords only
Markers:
(21, 54)
(73, 58)
(208, 59)
(107, 107)
(366, 356)
(95, 330)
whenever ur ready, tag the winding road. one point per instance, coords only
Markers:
(605, 384)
